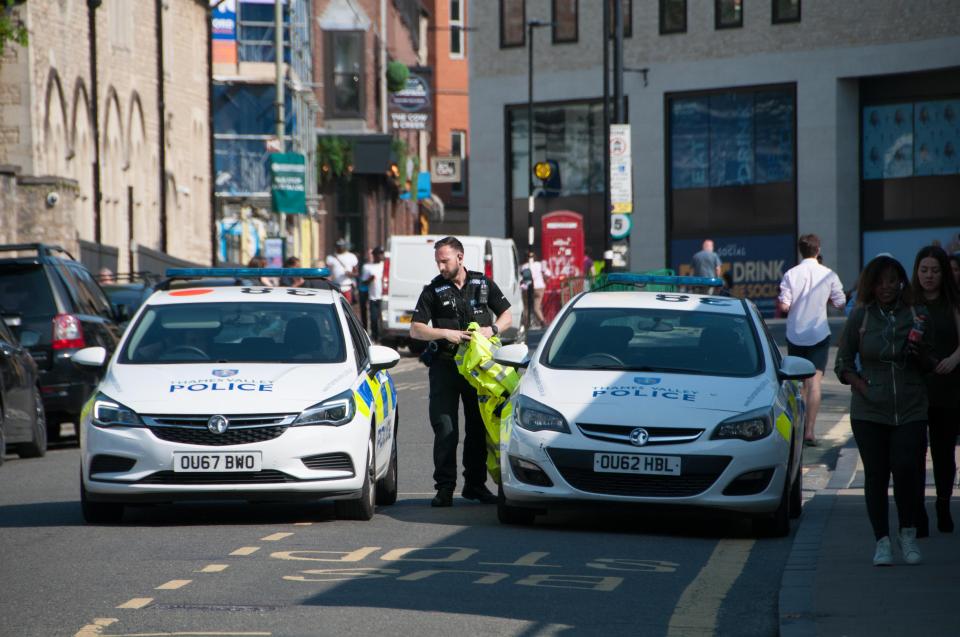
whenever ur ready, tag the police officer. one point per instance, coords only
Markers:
(451, 301)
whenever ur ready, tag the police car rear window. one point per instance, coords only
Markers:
(296, 333)
(669, 341)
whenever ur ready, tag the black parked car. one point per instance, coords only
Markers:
(127, 294)
(58, 308)
(23, 428)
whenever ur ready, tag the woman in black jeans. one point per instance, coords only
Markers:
(933, 286)
(888, 404)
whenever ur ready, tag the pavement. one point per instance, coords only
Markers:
(830, 586)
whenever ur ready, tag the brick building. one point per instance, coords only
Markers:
(108, 107)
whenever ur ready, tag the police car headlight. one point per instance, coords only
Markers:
(335, 411)
(752, 425)
(109, 413)
(534, 416)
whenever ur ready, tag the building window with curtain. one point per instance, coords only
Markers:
(456, 29)
(673, 16)
(513, 20)
(345, 74)
(458, 148)
(564, 21)
(786, 11)
(729, 14)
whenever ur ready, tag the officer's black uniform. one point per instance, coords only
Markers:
(451, 308)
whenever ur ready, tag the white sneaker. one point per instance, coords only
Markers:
(907, 539)
(884, 553)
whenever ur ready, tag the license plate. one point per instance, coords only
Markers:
(216, 462)
(634, 463)
(405, 318)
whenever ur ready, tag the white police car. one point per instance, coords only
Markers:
(655, 397)
(251, 393)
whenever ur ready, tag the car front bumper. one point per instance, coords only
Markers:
(708, 468)
(284, 475)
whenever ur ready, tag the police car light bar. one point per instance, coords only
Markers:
(660, 279)
(236, 273)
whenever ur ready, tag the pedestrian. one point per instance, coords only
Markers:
(932, 285)
(955, 268)
(291, 281)
(363, 291)
(372, 276)
(805, 291)
(106, 277)
(707, 263)
(888, 402)
(258, 262)
(450, 302)
(343, 268)
(535, 273)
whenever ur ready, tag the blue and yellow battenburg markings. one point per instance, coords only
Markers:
(787, 418)
(376, 394)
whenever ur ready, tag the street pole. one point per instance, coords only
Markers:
(278, 48)
(531, 198)
(607, 218)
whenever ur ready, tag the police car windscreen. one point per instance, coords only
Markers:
(236, 332)
(639, 339)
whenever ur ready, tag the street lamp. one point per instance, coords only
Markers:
(532, 193)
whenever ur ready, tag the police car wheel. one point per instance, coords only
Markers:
(362, 508)
(98, 512)
(777, 524)
(513, 515)
(387, 485)
(37, 447)
(796, 496)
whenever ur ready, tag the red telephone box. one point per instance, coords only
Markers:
(562, 252)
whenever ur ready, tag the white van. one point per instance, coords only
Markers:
(409, 265)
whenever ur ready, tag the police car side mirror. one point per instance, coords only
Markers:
(516, 355)
(795, 368)
(382, 358)
(90, 357)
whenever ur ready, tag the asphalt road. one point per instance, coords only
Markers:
(285, 570)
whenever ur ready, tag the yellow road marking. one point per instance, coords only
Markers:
(276, 537)
(302, 523)
(246, 550)
(136, 602)
(213, 568)
(696, 611)
(96, 628)
(173, 584)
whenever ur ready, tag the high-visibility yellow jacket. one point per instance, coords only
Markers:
(494, 384)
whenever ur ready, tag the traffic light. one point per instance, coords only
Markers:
(548, 172)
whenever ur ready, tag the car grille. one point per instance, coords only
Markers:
(244, 429)
(698, 473)
(268, 476)
(103, 463)
(621, 433)
(329, 461)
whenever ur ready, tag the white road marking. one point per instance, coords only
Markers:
(213, 568)
(173, 585)
(246, 550)
(276, 537)
(136, 602)
(96, 628)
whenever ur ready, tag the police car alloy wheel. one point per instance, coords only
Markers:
(637, 397)
(239, 393)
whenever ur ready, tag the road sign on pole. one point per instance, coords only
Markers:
(621, 177)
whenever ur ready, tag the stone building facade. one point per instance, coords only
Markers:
(751, 123)
(125, 117)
